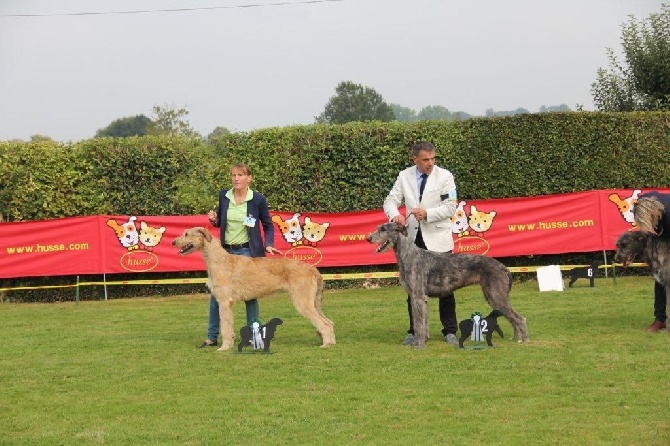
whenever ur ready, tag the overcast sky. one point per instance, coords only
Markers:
(249, 64)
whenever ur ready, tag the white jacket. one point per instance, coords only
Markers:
(439, 201)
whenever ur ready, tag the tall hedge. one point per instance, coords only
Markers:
(335, 168)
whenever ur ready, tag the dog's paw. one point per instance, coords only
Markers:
(223, 348)
(418, 344)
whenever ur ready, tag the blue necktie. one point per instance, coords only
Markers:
(424, 177)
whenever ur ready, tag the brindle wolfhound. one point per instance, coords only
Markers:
(233, 278)
(426, 273)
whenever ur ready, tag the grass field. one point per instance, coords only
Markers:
(127, 372)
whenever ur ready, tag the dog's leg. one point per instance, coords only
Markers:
(329, 337)
(518, 323)
(499, 330)
(226, 316)
(491, 325)
(466, 329)
(306, 296)
(419, 303)
(245, 338)
(496, 293)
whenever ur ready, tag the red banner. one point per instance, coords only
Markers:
(552, 224)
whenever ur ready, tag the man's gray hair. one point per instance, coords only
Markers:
(422, 145)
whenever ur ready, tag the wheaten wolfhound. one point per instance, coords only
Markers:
(426, 273)
(233, 278)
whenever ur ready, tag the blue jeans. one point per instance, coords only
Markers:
(214, 317)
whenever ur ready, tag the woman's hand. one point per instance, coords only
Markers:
(212, 217)
(273, 251)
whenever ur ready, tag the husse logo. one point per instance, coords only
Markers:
(139, 244)
(469, 229)
(302, 237)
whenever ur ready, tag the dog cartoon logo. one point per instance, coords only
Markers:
(626, 205)
(313, 232)
(290, 229)
(480, 222)
(150, 237)
(126, 233)
(459, 221)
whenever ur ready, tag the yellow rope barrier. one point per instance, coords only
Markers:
(349, 276)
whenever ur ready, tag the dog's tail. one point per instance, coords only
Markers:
(509, 279)
(648, 212)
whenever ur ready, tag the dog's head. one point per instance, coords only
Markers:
(192, 240)
(387, 235)
(125, 232)
(459, 221)
(630, 245)
(290, 228)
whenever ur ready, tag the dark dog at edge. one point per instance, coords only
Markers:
(489, 326)
(650, 248)
(426, 273)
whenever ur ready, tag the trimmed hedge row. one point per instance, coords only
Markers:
(334, 168)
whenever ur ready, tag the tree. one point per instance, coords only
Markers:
(40, 138)
(642, 80)
(519, 111)
(461, 116)
(171, 121)
(403, 114)
(124, 127)
(355, 102)
(435, 113)
(217, 133)
(555, 108)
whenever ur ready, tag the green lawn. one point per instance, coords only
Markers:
(127, 372)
